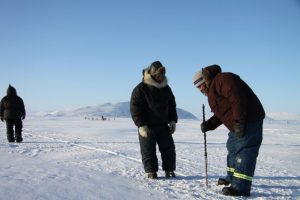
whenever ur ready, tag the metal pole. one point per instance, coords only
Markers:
(205, 150)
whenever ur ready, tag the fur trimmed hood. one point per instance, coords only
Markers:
(147, 79)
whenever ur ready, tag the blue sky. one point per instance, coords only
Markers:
(63, 54)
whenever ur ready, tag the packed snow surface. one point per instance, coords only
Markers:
(73, 158)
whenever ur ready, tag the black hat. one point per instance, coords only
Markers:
(157, 68)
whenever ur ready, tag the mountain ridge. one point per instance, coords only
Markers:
(120, 109)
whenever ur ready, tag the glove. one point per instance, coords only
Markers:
(23, 117)
(144, 131)
(205, 126)
(172, 127)
(238, 128)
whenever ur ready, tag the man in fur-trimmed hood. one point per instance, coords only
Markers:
(153, 110)
(155, 75)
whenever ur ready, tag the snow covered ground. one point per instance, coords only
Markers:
(73, 158)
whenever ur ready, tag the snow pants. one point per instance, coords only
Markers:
(14, 134)
(242, 154)
(161, 136)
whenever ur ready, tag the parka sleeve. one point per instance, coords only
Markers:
(214, 122)
(137, 107)
(2, 108)
(172, 108)
(23, 111)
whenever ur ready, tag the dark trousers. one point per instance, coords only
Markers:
(163, 138)
(14, 130)
(242, 154)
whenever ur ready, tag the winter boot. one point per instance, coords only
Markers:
(10, 139)
(223, 181)
(152, 175)
(231, 191)
(19, 139)
(170, 174)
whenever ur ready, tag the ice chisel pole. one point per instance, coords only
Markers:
(205, 151)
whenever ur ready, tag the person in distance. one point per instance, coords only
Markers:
(12, 110)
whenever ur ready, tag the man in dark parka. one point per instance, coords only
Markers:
(153, 110)
(12, 110)
(235, 105)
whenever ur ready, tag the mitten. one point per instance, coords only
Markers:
(205, 126)
(172, 127)
(144, 131)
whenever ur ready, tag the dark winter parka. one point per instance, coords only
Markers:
(12, 106)
(152, 103)
(231, 99)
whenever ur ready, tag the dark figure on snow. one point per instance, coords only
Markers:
(235, 105)
(12, 110)
(153, 110)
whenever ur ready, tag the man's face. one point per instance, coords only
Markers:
(160, 74)
(203, 88)
(159, 77)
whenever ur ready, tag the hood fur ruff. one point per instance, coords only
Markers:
(150, 81)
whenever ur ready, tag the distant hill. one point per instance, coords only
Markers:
(120, 109)
(282, 118)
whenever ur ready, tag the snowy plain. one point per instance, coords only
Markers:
(74, 158)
